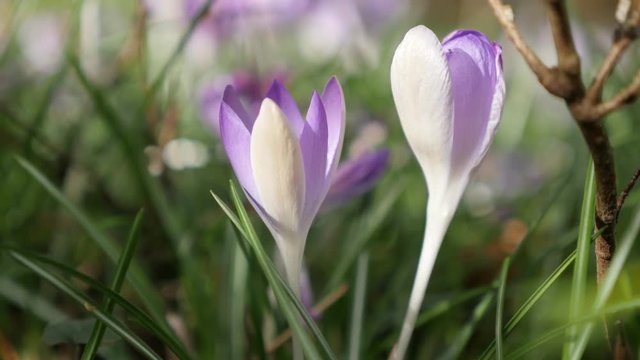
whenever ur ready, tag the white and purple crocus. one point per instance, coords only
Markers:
(449, 98)
(285, 162)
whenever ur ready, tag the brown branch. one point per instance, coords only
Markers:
(625, 96)
(568, 58)
(613, 57)
(627, 189)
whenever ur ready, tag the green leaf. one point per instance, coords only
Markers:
(357, 311)
(500, 306)
(606, 286)
(139, 281)
(580, 269)
(136, 314)
(121, 270)
(86, 302)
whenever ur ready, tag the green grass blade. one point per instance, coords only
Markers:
(500, 306)
(136, 314)
(90, 306)
(140, 283)
(238, 294)
(360, 234)
(21, 297)
(184, 40)
(528, 304)
(580, 269)
(357, 311)
(554, 333)
(461, 340)
(606, 287)
(99, 328)
(288, 301)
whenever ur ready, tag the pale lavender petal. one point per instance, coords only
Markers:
(231, 98)
(236, 139)
(281, 96)
(333, 100)
(209, 103)
(313, 143)
(472, 60)
(356, 176)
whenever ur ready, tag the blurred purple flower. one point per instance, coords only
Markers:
(356, 176)
(284, 163)
(449, 98)
(249, 87)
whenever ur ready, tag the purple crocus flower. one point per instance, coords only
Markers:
(356, 176)
(449, 99)
(285, 163)
(248, 86)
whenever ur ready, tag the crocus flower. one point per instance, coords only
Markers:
(449, 98)
(284, 163)
(356, 176)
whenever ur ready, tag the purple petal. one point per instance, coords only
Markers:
(313, 143)
(209, 101)
(356, 176)
(333, 100)
(231, 98)
(236, 138)
(472, 61)
(281, 96)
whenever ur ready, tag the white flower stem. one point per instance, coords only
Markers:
(291, 250)
(435, 228)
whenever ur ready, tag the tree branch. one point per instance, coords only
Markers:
(627, 189)
(625, 96)
(618, 48)
(568, 58)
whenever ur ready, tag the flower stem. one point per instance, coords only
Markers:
(436, 227)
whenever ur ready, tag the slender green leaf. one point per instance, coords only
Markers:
(140, 283)
(461, 340)
(357, 312)
(99, 328)
(184, 40)
(237, 302)
(554, 333)
(90, 306)
(136, 314)
(286, 298)
(606, 287)
(580, 269)
(500, 306)
(528, 304)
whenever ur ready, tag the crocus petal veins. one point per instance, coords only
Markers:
(449, 98)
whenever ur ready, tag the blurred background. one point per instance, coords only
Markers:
(107, 107)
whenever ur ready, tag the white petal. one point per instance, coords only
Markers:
(421, 87)
(278, 170)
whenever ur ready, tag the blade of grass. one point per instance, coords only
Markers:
(279, 286)
(286, 298)
(528, 304)
(500, 306)
(184, 40)
(580, 269)
(237, 302)
(357, 311)
(91, 349)
(359, 235)
(136, 314)
(23, 298)
(461, 340)
(140, 283)
(554, 333)
(606, 287)
(90, 306)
